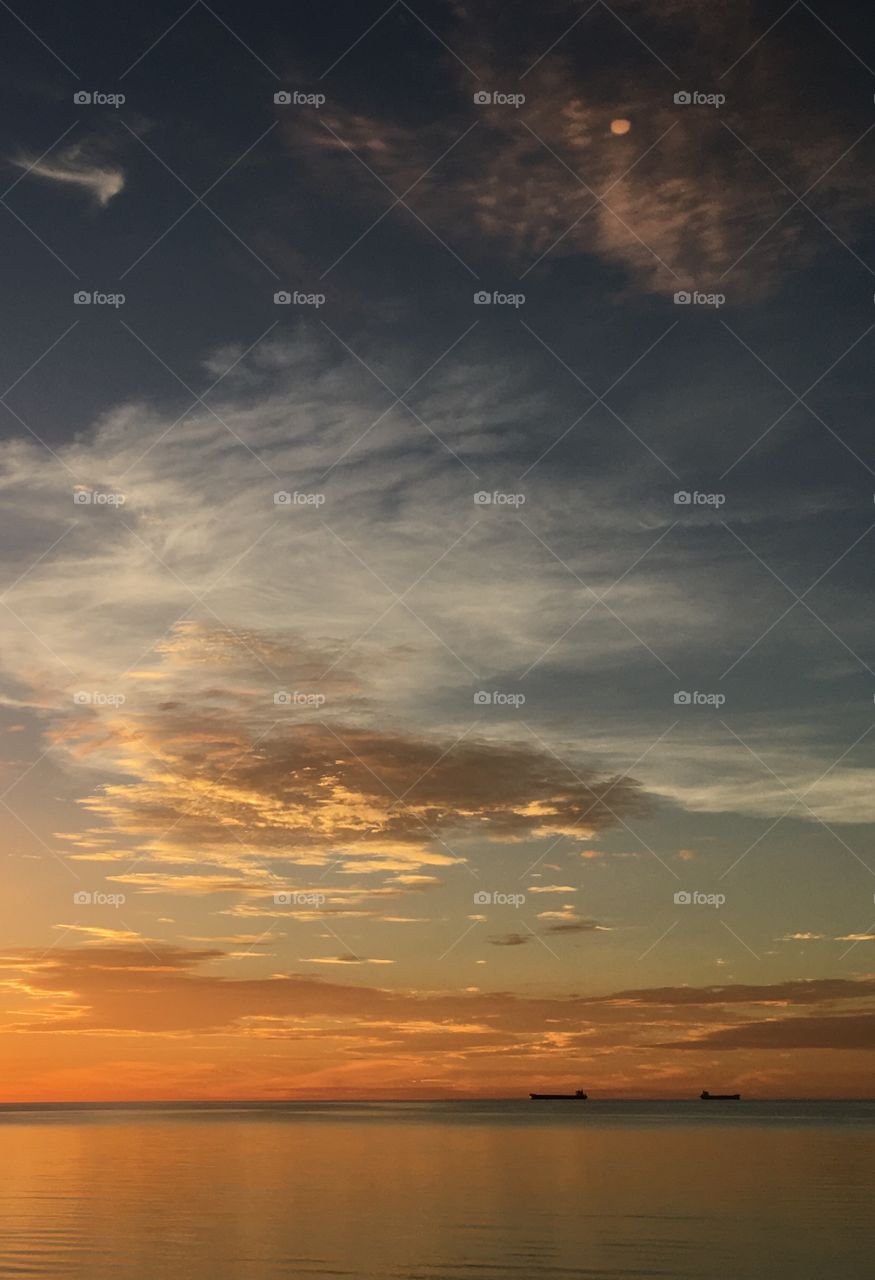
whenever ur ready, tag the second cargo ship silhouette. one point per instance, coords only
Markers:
(578, 1096)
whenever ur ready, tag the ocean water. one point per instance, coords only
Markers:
(439, 1191)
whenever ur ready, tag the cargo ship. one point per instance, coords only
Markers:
(578, 1096)
(705, 1096)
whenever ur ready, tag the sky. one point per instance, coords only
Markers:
(436, 485)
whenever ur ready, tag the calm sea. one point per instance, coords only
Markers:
(439, 1191)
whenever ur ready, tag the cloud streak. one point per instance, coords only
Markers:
(78, 166)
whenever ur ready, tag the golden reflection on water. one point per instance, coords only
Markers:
(260, 1195)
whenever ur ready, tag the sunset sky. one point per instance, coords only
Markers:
(323, 777)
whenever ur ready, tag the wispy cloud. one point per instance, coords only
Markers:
(78, 166)
(677, 201)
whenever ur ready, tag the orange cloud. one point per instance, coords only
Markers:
(163, 1002)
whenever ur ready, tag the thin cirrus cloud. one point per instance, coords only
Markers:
(845, 1031)
(103, 987)
(230, 662)
(532, 179)
(78, 167)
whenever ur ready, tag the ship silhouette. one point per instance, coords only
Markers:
(705, 1096)
(577, 1096)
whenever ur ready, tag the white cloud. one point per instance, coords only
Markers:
(79, 167)
(97, 612)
